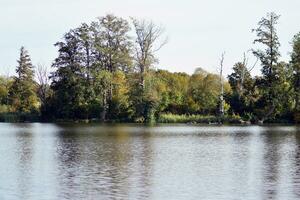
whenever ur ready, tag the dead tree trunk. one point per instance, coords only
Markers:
(221, 109)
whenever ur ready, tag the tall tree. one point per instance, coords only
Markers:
(267, 36)
(68, 81)
(112, 43)
(221, 105)
(295, 64)
(89, 57)
(148, 41)
(23, 91)
(112, 53)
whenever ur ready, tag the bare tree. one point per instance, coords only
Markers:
(221, 109)
(43, 79)
(148, 41)
(246, 69)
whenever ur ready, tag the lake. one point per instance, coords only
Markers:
(50, 161)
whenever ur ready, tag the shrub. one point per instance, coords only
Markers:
(172, 118)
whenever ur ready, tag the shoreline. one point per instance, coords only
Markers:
(164, 118)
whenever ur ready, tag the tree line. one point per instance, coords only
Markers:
(105, 70)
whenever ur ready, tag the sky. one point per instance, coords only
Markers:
(198, 31)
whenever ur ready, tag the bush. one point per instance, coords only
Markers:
(19, 117)
(5, 108)
(172, 118)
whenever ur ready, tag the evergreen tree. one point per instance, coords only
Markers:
(267, 36)
(23, 95)
(68, 81)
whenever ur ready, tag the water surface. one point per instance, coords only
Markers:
(49, 162)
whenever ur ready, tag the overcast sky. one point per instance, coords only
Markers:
(198, 30)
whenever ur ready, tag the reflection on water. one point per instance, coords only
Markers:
(48, 161)
(296, 167)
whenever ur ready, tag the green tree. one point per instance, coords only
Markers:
(204, 90)
(112, 43)
(242, 86)
(148, 41)
(68, 81)
(23, 95)
(175, 94)
(5, 84)
(295, 64)
(267, 36)
(102, 84)
(112, 52)
(120, 100)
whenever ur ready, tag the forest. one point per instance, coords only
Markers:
(106, 71)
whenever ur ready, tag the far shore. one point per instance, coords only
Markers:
(162, 119)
